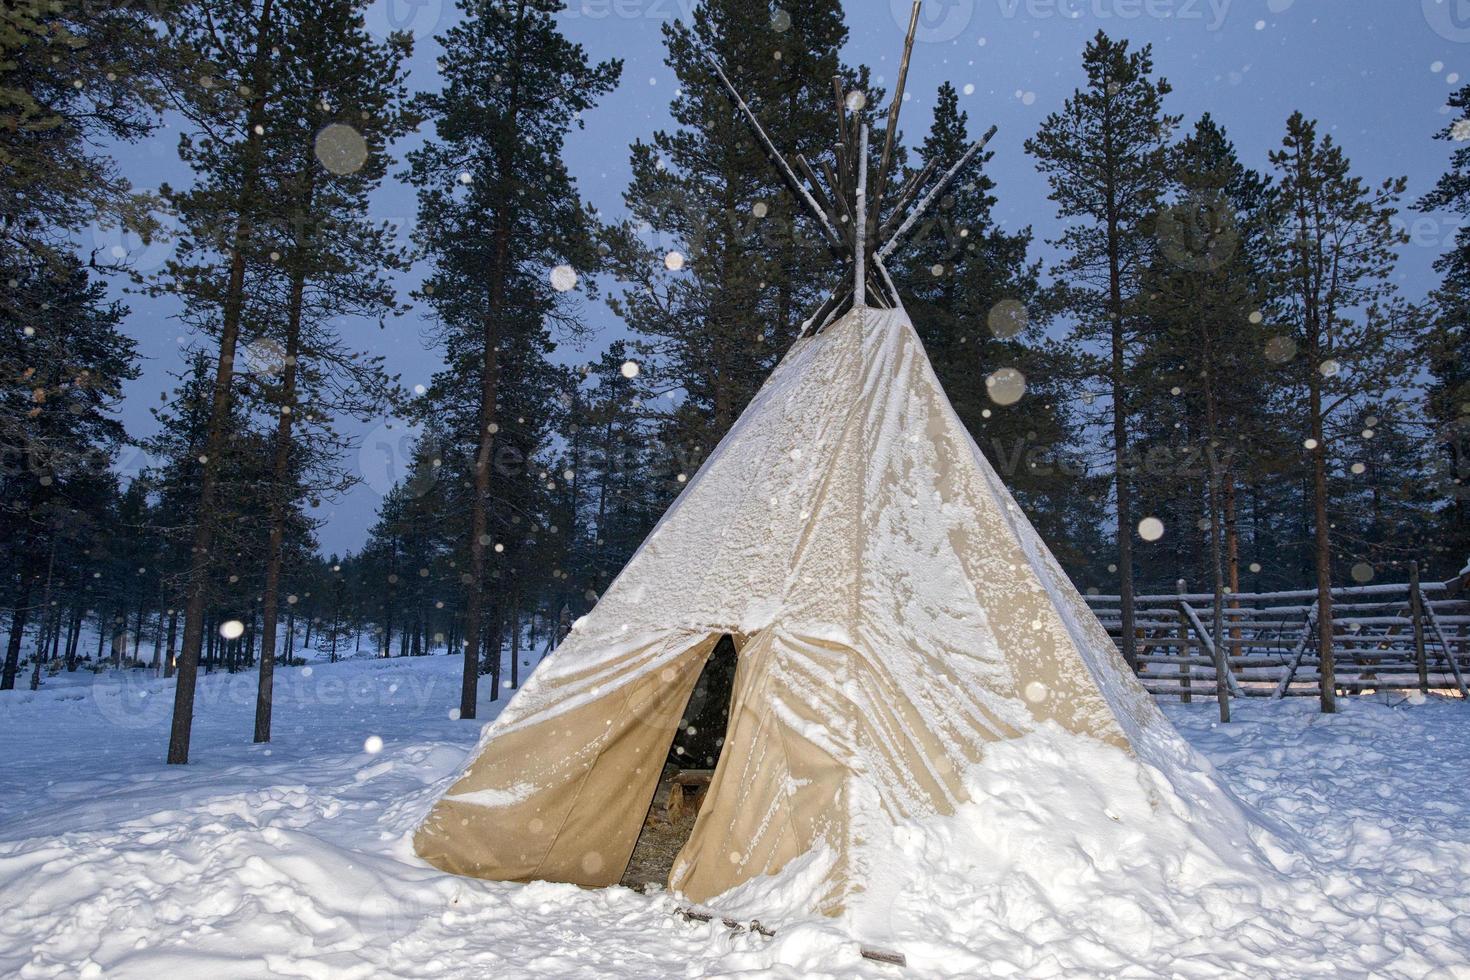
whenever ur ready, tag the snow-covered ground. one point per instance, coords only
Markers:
(293, 859)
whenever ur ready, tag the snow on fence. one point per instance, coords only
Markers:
(1409, 637)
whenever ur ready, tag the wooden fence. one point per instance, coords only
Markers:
(1409, 637)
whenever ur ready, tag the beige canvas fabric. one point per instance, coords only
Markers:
(896, 613)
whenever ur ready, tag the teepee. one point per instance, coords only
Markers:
(893, 610)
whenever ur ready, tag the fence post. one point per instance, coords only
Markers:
(1185, 669)
(1416, 613)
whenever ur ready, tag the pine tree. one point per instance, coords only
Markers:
(323, 154)
(1447, 348)
(63, 362)
(1351, 332)
(76, 75)
(1105, 157)
(721, 266)
(228, 106)
(625, 487)
(500, 218)
(1202, 367)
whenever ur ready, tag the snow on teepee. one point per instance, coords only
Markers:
(904, 638)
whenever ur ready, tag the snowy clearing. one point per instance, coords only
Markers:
(294, 859)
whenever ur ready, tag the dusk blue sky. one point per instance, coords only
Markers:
(1376, 73)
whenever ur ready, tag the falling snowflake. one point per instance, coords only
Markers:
(341, 149)
(1007, 318)
(1006, 386)
(1150, 529)
(563, 278)
(1280, 350)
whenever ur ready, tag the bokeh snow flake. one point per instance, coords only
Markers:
(1005, 386)
(341, 149)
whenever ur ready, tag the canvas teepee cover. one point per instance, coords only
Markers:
(894, 613)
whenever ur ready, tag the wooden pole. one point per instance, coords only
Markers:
(1449, 653)
(893, 111)
(1416, 613)
(860, 257)
(1296, 657)
(1185, 669)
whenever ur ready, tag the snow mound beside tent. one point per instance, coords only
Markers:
(1076, 858)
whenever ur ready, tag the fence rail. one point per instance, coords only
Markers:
(1413, 636)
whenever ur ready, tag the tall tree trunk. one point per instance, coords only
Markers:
(138, 631)
(1323, 555)
(1120, 439)
(102, 631)
(515, 639)
(173, 631)
(493, 646)
(489, 394)
(280, 473)
(74, 638)
(386, 650)
(219, 416)
(57, 618)
(1217, 560)
(119, 637)
(1308, 245)
(45, 610)
(480, 516)
(1232, 547)
(158, 634)
(18, 620)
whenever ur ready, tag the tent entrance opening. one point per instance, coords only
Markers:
(693, 753)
